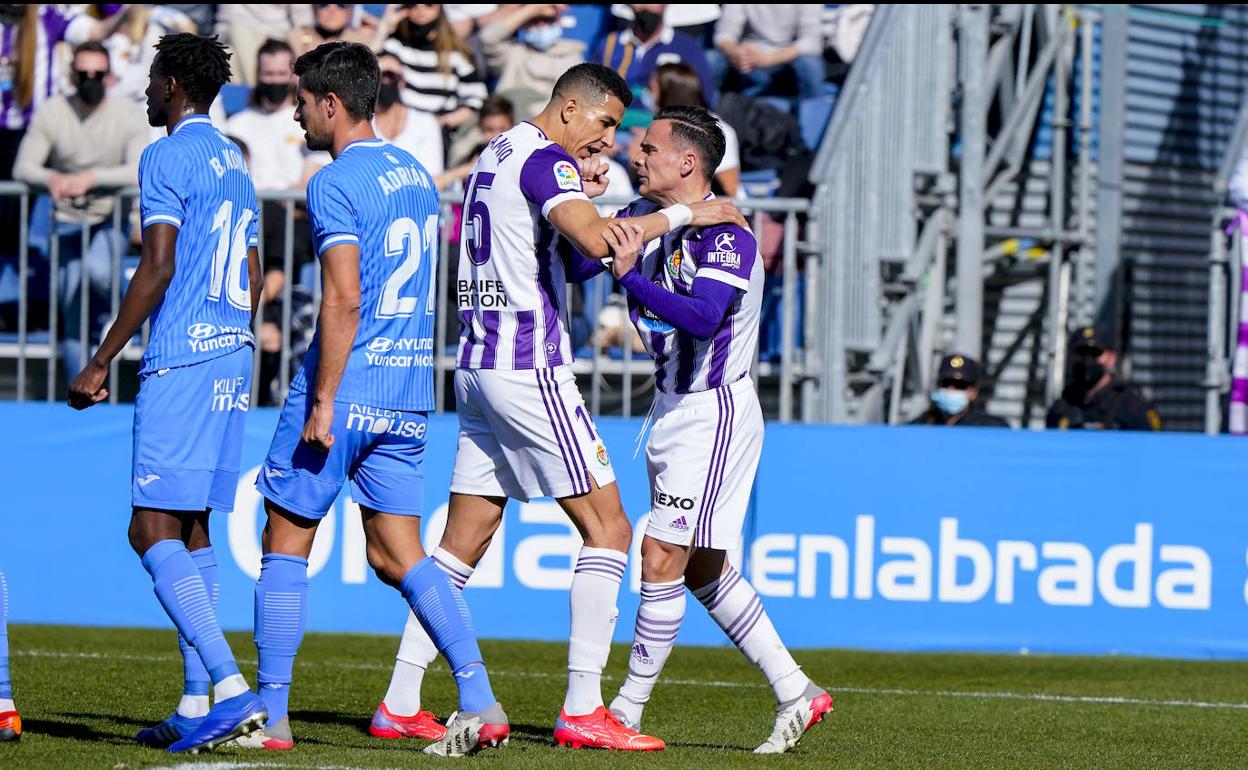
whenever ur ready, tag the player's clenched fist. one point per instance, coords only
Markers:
(625, 240)
(87, 389)
(593, 176)
(318, 430)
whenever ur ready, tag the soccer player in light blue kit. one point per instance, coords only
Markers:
(199, 281)
(10, 721)
(357, 410)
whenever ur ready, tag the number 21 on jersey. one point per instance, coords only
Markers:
(404, 240)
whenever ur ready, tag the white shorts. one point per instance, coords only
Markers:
(525, 434)
(702, 455)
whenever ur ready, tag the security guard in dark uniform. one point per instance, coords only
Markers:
(1094, 397)
(955, 399)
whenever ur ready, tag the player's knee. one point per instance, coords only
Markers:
(385, 565)
(609, 531)
(141, 536)
(661, 562)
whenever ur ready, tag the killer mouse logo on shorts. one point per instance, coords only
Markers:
(566, 176)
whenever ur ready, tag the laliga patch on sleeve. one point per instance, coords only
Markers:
(566, 176)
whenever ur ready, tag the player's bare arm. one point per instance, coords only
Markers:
(255, 281)
(581, 223)
(339, 322)
(626, 242)
(147, 289)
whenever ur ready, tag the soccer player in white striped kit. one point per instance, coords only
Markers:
(524, 429)
(695, 298)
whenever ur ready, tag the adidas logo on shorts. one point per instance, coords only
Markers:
(680, 524)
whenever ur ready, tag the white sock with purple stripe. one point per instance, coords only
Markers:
(732, 603)
(595, 589)
(658, 620)
(416, 649)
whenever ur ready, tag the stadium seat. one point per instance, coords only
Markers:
(760, 183)
(813, 116)
(771, 320)
(307, 276)
(234, 97)
(586, 23)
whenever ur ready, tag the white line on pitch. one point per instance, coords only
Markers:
(978, 695)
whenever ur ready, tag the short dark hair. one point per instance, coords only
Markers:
(696, 127)
(347, 70)
(91, 46)
(593, 80)
(200, 64)
(242, 146)
(679, 86)
(272, 46)
(497, 105)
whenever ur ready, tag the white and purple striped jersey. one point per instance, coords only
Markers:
(196, 180)
(511, 289)
(724, 253)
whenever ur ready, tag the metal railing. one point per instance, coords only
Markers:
(615, 385)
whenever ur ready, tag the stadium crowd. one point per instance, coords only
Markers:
(453, 77)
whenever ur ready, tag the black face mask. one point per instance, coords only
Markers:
(11, 14)
(274, 93)
(91, 91)
(328, 34)
(388, 96)
(1085, 372)
(646, 22)
(414, 34)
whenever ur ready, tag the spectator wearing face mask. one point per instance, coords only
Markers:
(415, 131)
(438, 72)
(331, 22)
(78, 146)
(525, 47)
(955, 401)
(279, 156)
(648, 43)
(1094, 397)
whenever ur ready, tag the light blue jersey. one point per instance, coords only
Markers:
(380, 198)
(196, 180)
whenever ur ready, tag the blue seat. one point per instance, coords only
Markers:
(587, 23)
(234, 97)
(760, 183)
(771, 319)
(307, 276)
(813, 116)
(39, 235)
(128, 266)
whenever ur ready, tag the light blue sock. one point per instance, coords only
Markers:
(180, 588)
(441, 609)
(195, 679)
(6, 687)
(281, 616)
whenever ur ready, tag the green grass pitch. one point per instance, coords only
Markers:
(84, 692)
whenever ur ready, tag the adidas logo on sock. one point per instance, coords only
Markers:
(641, 653)
(680, 524)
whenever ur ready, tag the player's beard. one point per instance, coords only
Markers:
(316, 141)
